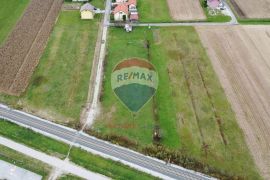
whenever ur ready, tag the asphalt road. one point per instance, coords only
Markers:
(83, 140)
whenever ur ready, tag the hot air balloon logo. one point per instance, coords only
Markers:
(134, 81)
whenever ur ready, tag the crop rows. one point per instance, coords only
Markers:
(24, 46)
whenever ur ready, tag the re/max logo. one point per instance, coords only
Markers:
(134, 75)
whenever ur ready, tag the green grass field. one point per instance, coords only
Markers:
(50, 146)
(20, 160)
(10, 13)
(148, 11)
(59, 87)
(188, 92)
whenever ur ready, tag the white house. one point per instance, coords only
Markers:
(121, 13)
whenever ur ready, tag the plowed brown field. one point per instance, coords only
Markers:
(24, 46)
(186, 10)
(252, 8)
(240, 56)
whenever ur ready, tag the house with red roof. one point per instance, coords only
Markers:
(125, 10)
(121, 12)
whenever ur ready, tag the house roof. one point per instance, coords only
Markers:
(129, 2)
(87, 7)
(213, 3)
(121, 7)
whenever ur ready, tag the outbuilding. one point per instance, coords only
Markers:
(87, 11)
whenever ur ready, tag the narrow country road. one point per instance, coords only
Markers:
(65, 166)
(133, 159)
(96, 79)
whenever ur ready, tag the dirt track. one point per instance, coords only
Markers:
(252, 8)
(21, 52)
(240, 56)
(186, 10)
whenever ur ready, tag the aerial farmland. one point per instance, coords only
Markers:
(135, 89)
(252, 9)
(186, 10)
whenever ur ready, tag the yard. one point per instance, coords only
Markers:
(10, 13)
(190, 106)
(59, 86)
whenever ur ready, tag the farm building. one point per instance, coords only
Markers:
(120, 13)
(87, 11)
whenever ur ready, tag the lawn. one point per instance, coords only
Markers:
(188, 92)
(59, 87)
(10, 13)
(53, 147)
(25, 162)
(148, 11)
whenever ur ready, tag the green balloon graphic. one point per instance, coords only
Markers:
(134, 81)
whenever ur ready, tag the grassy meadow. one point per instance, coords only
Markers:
(148, 11)
(10, 13)
(187, 95)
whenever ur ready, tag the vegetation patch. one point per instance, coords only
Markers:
(148, 10)
(190, 108)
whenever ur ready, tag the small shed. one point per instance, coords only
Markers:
(87, 11)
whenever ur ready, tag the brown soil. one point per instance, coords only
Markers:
(21, 52)
(252, 8)
(184, 10)
(240, 56)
